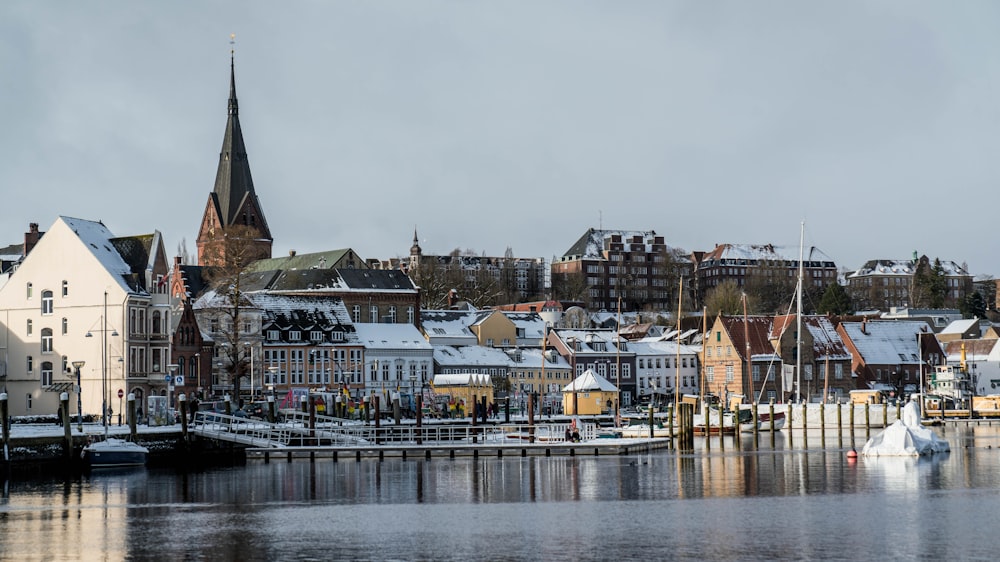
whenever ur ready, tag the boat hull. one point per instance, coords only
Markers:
(764, 423)
(114, 453)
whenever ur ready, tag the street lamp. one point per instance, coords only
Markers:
(77, 365)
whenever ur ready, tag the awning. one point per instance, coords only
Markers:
(59, 387)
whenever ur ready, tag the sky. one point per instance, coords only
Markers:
(515, 124)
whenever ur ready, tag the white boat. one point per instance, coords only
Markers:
(641, 431)
(763, 421)
(113, 452)
(728, 424)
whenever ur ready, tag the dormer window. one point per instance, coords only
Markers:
(316, 335)
(273, 335)
(294, 335)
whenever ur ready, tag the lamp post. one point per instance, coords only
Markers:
(104, 362)
(77, 365)
(273, 369)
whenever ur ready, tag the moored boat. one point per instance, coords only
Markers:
(763, 421)
(113, 452)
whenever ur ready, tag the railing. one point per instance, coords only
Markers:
(295, 430)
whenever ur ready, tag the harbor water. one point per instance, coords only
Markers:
(718, 503)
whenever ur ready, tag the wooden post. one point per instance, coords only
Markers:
(271, 413)
(755, 410)
(132, 421)
(670, 420)
(651, 433)
(770, 406)
(805, 425)
(868, 420)
(420, 419)
(506, 409)
(183, 407)
(722, 426)
(531, 418)
(483, 411)
(822, 424)
(885, 415)
(5, 424)
(67, 426)
(396, 415)
(850, 421)
(840, 425)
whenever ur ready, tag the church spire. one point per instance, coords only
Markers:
(233, 200)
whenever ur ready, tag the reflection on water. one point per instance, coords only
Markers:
(716, 504)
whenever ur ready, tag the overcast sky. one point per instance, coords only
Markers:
(489, 125)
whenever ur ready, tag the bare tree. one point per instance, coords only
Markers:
(726, 298)
(234, 252)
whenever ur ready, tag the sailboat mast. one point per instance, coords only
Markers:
(104, 366)
(748, 374)
(704, 346)
(677, 359)
(798, 318)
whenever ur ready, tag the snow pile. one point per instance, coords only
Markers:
(905, 437)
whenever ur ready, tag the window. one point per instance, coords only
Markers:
(46, 302)
(316, 335)
(356, 313)
(807, 372)
(730, 372)
(29, 327)
(373, 314)
(47, 340)
(65, 364)
(838, 371)
(294, 335)
(710, 374)
(28, 290)
(392, 314)
(273, 335)
(47, 373)
(156, 322)
(409, 314)
(30, 364)
(756, 373)
(65, 288)
(65, 326)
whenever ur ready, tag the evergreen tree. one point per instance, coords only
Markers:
(835, 301)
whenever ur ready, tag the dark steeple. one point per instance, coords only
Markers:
(233, 201)
(233, 182)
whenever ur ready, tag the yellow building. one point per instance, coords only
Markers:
(464, 389)
(588, 395)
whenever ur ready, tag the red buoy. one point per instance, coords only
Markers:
(852, 454)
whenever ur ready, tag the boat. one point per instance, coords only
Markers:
(112, 452)
(763, 421)
(727, 427)
(640, 430)
(108, 452)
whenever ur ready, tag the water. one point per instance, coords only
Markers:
(776, 503)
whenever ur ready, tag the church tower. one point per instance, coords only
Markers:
(233, 209)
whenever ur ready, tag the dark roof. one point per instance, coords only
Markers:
(135, 251)
(194, 279)
(757, 328)
(316, 260)
(233, 183)
(387, 279)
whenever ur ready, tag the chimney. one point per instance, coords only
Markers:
(864, 326)
(31, 237)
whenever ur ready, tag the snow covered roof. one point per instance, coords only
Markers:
(462, 379)
(960, 326)
(765, 252)
(660, 348)
(391, 336)
(887, 267)
(590, 380)
(470, 355)
(125, 258)
(887, 342)
(531, 358)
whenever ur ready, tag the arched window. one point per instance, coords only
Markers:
(47, 341)
(46, 373)
(46, 302)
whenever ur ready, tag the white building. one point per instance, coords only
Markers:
(397, 356)
(84, 296)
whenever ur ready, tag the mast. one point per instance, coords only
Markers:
(704, 344)
(618, 360)
(104, 366)
(798, 318)
(677, 359)
(748, 374)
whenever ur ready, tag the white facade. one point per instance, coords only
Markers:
(662, 366)
(57, 297)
